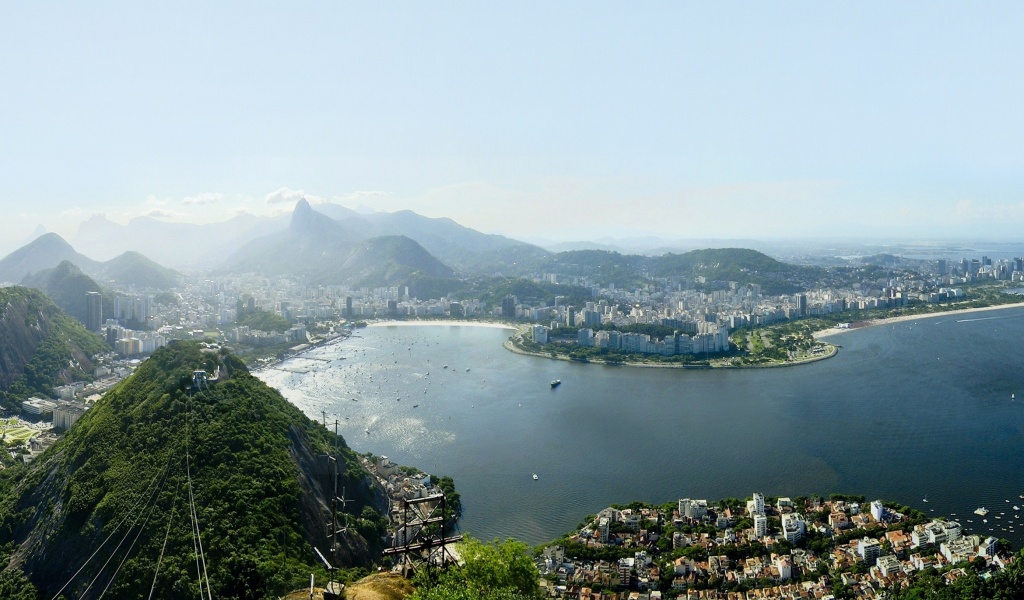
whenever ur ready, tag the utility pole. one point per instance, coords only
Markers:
(334, 530)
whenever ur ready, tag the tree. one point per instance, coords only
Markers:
(15, 586)
(498, 570)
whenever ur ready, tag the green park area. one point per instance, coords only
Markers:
(13, 432)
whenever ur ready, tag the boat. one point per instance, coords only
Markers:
(535, 478)
(556, 383)
(925, 500)
(981, 511)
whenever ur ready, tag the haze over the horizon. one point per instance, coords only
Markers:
(562, 121)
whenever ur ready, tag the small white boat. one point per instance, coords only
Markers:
(981, 510)
(535, 478)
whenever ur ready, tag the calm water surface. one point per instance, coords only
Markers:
(920, 409)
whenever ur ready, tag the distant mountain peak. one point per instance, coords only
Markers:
(303, 217)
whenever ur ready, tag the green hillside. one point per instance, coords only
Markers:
(132, 268)
(715, 264)
(40, 346)
(125, 473)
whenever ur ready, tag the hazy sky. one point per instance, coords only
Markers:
(563, 120)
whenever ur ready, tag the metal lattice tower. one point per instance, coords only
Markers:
(420, 544)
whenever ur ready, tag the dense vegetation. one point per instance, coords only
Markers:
(713, 265)
(263, 320)
(67, 286)
(1007, 584)
(134, 269)
(40, 346)
(500, 570)
(529, 291)
(257, 489)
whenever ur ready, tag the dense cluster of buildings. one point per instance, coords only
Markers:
(759, 550)
(711, 339)
(702, 312)
(51, 416)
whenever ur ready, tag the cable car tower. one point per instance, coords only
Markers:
(417, 543)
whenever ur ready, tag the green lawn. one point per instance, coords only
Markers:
(13, 433)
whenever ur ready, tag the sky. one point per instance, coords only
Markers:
(544, 120)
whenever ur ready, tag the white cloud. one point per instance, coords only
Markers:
(289, 196)
(203, 198)
(160, 213)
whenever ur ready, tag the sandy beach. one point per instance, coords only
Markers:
(963, 311)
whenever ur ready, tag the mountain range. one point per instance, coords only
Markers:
(328, 251)
(330, 244)
(46, 252)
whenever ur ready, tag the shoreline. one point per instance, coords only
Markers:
(511, 347)
(434, 323)
(830, 331)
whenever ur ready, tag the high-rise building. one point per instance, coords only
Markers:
(869, 550)
(760, 525)
(508, 307)
(93, 311)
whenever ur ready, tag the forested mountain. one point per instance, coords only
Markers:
(466, 250)
(66, 285)
(134, 269)
(717, 264)
(328, 251)
(160, 447)
(40, 345)
(44, 252)
(33, 262)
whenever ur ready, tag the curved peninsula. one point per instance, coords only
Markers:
(517, 344)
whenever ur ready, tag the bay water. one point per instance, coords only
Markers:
(930, 409)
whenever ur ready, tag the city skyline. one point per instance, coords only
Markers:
(563, 122)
